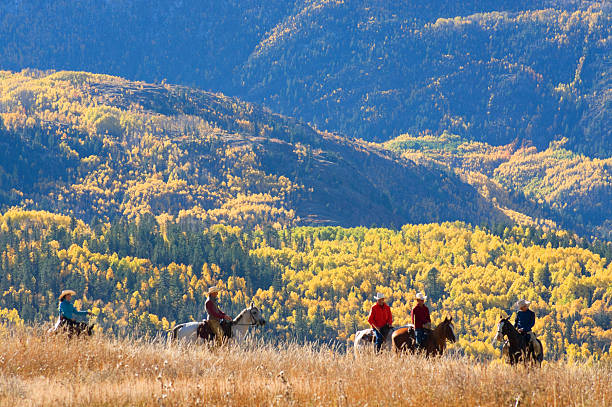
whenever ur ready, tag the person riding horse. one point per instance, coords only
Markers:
(421, 319)
(525, 320)
(68, 314)
(215, 315)
(381, 320)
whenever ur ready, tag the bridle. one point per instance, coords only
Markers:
(253, 323)
(499, 336)
(450, 328)
(500, 330)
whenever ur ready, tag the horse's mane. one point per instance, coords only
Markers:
(241, 314)
(438, 329)
(512, 328)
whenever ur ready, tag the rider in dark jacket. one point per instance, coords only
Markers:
(421, 319)
(525, 319)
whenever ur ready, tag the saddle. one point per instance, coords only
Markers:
(226, 326)
(532, 340)
(528, 338)
(206, 332)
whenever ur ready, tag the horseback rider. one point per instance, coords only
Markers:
(68, 313)
(525, 320)
(420, 319)
(215, 315)
(381, 320)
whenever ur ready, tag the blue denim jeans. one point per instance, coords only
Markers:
(378, 342)
(420, 337)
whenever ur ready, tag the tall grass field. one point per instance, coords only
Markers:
(39, 370)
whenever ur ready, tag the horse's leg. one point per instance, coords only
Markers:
(429, 350)
(513, 357)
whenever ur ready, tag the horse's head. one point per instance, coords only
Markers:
(449, 332)
(502, 329)
(255, 315)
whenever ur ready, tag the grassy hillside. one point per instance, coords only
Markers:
(101, 147)
(489, 71)
(554, 183)
(47, 371)
(312, 283)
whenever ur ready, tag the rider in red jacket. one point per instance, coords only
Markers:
(381, 320)
(215, 315)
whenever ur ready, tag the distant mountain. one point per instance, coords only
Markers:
(535, 70)
(98, 146)
(377, 71)
(556, 184)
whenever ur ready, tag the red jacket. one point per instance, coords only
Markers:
(420, 316)
(380, 316)
(213, 310)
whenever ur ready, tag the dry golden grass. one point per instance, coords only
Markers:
(38, 370)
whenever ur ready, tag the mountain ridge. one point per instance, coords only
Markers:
(108, 147)
(491, 72)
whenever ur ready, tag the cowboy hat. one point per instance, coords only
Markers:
(521, 302)
(65, 293)
(379, 296)
(421, 296)
(213, 289)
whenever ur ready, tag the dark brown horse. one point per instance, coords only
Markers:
(435, 342)
(71, 327)
(516, 348)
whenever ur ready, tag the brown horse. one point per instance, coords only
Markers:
(71, 327)
(404, 339)
(435, 342)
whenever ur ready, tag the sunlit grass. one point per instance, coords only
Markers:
(100, 371)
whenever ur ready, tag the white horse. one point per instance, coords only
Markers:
(197, 332)
(364, 340)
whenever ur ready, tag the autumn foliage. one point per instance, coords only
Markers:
(312, 283)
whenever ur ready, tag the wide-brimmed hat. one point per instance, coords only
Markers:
(421, 296)
(379, 296)
(521, 302)
(65, 293)
(213, 289)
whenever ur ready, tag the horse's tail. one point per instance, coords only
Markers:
(173, 333)
(539, 352)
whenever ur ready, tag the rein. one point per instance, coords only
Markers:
(254, 323)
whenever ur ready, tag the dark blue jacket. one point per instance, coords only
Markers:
(525, 320)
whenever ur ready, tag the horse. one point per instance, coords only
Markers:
(70, 327)
(435, 342)
(201, 331)
(515, 348)
(365, 338)
(404, 339)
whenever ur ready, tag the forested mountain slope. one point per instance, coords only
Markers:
(488, 71)
(376, 71)
(311, 283)
(553, 183)
(98, 146)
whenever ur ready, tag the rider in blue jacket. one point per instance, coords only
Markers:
(68, 313)
(525, 319)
